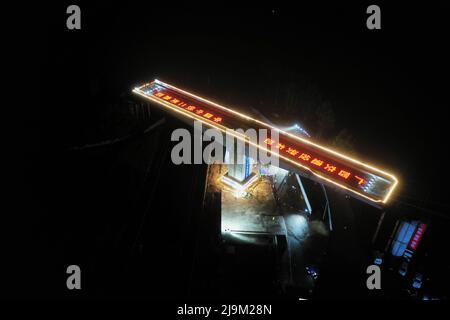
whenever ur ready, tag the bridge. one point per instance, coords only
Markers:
(301, 155)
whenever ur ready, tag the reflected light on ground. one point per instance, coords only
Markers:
(297, 225)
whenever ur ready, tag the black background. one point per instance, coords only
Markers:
(387, 84)
(388, 87)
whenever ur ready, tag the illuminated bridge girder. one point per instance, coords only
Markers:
(298, 154)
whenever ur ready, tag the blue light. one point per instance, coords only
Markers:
(297, 127)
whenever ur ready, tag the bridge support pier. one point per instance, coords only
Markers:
(239, 176)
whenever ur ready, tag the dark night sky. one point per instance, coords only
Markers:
(387, 87)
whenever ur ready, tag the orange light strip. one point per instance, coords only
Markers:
(208, 122)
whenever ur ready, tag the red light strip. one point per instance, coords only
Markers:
(188, 107)
(328, 167)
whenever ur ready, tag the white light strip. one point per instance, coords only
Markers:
(236, 185)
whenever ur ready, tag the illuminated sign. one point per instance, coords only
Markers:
(324, 163)
(415, 240)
